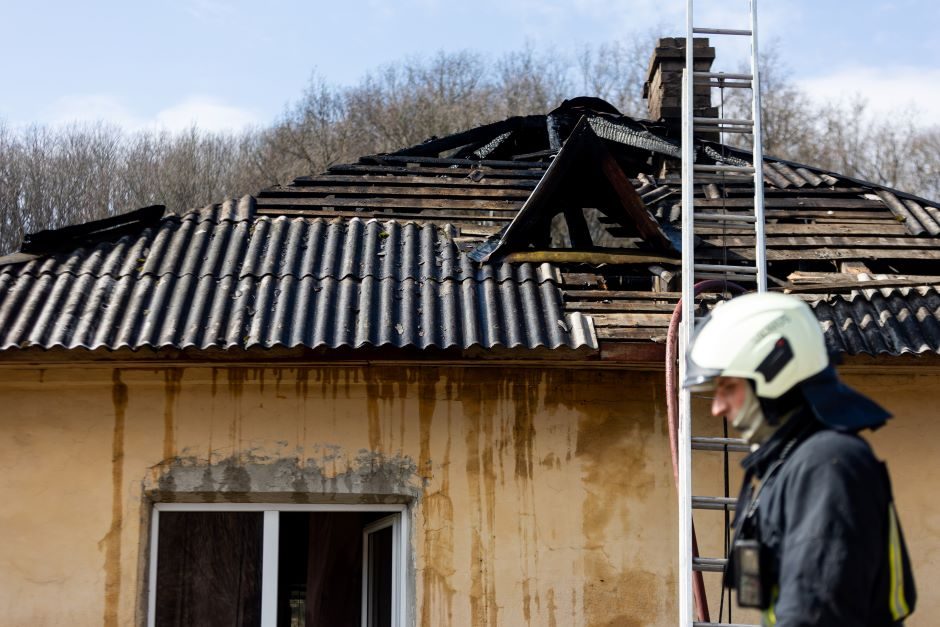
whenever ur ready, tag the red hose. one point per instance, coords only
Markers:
(672, 414)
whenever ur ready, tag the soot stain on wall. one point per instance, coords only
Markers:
(112, 540)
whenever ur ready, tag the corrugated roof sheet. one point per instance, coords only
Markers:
(882, 322)
(216, 278)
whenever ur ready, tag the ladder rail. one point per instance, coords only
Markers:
(684, 440)
(691, 174)
(757, 157)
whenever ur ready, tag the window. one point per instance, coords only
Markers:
(277, 565)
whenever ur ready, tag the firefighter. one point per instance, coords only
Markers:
(817, 540)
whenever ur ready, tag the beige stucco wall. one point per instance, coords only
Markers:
(539, 497)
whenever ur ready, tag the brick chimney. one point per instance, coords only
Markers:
(663, 88)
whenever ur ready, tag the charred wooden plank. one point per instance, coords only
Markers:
(392, 203)
(820, 254)
(423, 216)
(825, 203)
(633, 352)
(384, 190)
(844, 284)
(590, 256)
(434, 147)
(631, 320)
(620, 294)
(638, 333)
(819, 191)
(429, 171)
(460, 180)
(804, 214)
(871, 227)
(735, 241)
(496, 163)
(621, 307)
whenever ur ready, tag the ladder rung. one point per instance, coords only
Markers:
(718, 267)
(723, 129)
(742, 169)
(737, 445)
(737, 77)
(723, 84)
(723, 121)
(738, 278)
(719, 177)
(709, 564)
(721, 31)
(744, 182)
(723, 217)
(713, 502)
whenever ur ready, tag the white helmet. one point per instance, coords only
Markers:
(772, 339)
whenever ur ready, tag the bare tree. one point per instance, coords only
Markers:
(52, 176)
(527, 83)
(616, 72)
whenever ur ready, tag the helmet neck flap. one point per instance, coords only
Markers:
(831, 402)
(838, 406)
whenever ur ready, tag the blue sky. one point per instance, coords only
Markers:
(225, 64)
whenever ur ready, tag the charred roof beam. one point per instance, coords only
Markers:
(90, 233)
(479, 136)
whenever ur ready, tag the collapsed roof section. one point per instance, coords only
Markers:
(585, 198)
(586, 187)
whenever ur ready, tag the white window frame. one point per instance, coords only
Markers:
(378, 525)
(397, 519)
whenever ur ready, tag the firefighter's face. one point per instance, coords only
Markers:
(730, 396)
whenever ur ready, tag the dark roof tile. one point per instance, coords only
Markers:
(204, 280)
(888, 321)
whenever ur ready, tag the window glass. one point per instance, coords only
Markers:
(379, 589)
(209, 569)
(320, 568)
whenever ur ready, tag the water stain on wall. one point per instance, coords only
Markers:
(524, 396)
(483, 404)
(372, 413)
(236, 385)
(427, 403)
(112, 540)
(499, 416)
(171, 385)
(552, 609)
(302, 383)
(614, 445)
(437, 520)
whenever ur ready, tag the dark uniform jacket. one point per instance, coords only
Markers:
(825, 519)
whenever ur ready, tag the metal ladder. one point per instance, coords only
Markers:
(693, 271)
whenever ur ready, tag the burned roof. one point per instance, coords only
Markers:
(552, 234)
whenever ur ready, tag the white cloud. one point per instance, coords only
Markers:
(886, 89)
(207, 113)
(90, 108)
